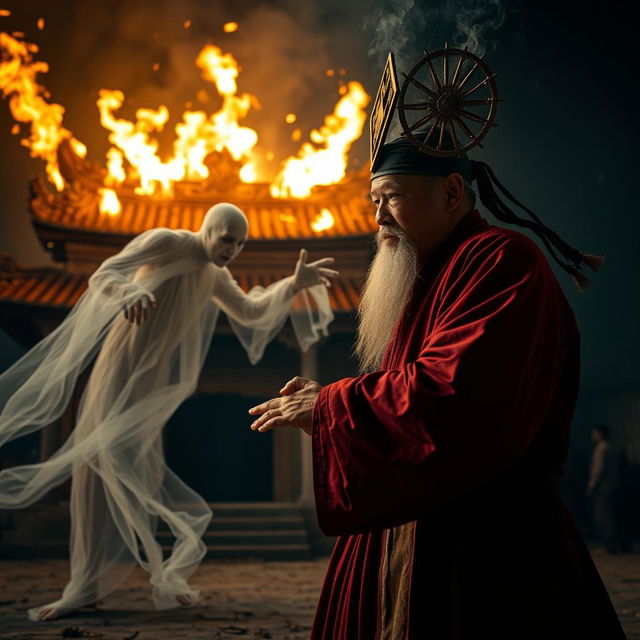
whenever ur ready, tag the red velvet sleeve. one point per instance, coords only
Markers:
(393, 445)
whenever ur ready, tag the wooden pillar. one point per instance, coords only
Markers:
(292, 462)
(286, 465)
(309, 370)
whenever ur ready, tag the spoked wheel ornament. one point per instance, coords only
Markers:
(449, 91)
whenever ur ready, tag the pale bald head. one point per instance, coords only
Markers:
(223, 233)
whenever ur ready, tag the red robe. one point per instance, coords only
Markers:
(463, 433)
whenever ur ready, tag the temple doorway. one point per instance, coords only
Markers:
(210, 446)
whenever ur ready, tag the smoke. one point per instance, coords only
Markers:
(477, 22)
(407, 27)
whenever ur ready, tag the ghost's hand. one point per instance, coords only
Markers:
(137, 312)
(294, 408)
(312, 273)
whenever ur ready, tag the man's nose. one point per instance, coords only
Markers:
(382, 215)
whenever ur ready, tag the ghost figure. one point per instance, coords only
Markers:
(171, 286)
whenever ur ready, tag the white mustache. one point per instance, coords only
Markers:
(389, 231)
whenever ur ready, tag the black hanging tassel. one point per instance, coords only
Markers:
(556, 246)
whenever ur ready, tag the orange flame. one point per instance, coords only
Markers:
(198, 135)
(328, 164)
(27, 103)
(230, 27)
(109, 202)
(134, 154)
(323, 221)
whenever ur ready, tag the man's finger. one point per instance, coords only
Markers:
(273, 403)
(265, 417)
(303, 256)
(278, 421)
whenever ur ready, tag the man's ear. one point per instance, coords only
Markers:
(454, 190)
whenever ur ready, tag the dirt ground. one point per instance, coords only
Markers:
(240, 599)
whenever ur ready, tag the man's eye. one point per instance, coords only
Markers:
(227, 240)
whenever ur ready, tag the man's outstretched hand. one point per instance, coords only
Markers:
(294, 407)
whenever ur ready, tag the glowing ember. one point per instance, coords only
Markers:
(109, 202)
(323, 221)
(328, 164)
(290, 118)
(18, 82)
(5, 13)
(230, 27)
(186, 24)
(78, 148)
(40, 24)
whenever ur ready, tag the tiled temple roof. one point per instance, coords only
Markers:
(58, 289)
(76, 207)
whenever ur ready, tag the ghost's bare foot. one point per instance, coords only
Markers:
(48, 613)
(185, 600)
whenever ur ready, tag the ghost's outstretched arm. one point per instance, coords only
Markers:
(255, 308)
(258, 316)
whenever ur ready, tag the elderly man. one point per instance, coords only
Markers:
(439, 466)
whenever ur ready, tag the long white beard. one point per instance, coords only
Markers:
(386, 292)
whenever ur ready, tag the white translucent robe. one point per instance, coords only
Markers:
(121, 485)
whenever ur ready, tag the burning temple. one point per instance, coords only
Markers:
(84, 212)
(218, 456)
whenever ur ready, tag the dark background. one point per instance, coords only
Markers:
(566, 144)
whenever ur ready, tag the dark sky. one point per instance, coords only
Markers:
(566, 143)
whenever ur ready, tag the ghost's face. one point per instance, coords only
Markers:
(223, 247)
(223, 233)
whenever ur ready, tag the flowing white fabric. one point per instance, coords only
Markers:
(121, 485)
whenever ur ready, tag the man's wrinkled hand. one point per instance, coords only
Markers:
(294, 407)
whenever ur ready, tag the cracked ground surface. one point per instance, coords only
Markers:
(239, 599)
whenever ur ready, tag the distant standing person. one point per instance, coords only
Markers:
(605, 489)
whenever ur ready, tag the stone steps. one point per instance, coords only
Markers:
(267, 531)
